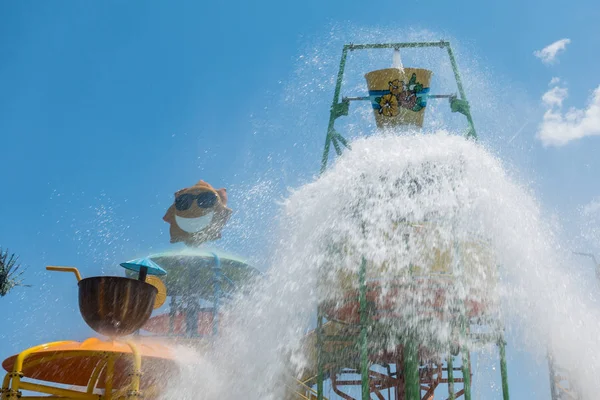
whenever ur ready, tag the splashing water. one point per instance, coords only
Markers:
(395, 200)
(363, 207)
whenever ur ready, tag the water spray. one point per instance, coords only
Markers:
(399, 97)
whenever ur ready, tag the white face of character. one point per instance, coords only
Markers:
(193, 225)
(198, 214)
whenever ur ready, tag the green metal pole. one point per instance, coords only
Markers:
(464, 328)
(412, 385)
(364, 355)
(466, 371)
(338, 109)
(503, 369)
(466, 361)
(320, 373)
(336, 99)
(461, 90)
(450, 365)
(401, 45)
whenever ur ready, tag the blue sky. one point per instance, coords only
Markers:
(107, 108)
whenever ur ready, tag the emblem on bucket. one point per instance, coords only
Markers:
(398, 97)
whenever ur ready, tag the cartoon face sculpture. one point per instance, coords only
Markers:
(198, 214)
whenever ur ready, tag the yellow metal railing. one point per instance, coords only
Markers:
(13, 384)
(302, 391)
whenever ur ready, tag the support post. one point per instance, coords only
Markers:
(364, 355)
(136, 374)
(464, 325)
(412, 384)
(466, 371)
(172, 314)
(320, 373)
(466, 359)
(450, 365)
(552, 373)
(503, 369)
(461, 91)
(190, 299)
(339, 108)
(217, 294)
(333, 112)
(108, 378)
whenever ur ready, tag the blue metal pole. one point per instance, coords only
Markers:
(217, 293)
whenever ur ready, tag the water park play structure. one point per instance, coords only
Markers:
(142, 364)
(135, 359)
(348, 338)
(350, 349)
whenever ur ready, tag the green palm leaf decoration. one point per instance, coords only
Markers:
(10, 272)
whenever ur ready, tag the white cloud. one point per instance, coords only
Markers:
(555, 96)
(554, 81)
(558, 127)
(548, 54)
(592, 208)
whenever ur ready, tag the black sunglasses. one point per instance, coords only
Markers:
(204, 200)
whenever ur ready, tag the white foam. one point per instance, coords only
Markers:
(468, 194)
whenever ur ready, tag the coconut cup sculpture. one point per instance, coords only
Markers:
(115, 306)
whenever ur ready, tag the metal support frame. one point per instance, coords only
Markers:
(340, 108)
(450, 364)
(13, 383)
(411, 374)
(466, 372)
(466, 361)
(503, 369)
(192, 307)
(172, 313)
(341, 354)
(561, 386)
(412, 382)
(320, 373)
(552, 372)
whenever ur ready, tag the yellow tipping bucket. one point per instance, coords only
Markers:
(398, 96)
